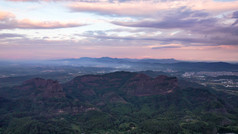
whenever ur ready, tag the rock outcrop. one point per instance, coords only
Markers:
(130, 83)
(143, 85)
(42, 88)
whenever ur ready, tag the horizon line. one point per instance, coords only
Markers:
(50, 59)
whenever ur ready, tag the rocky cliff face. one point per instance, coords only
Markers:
(143, 85)
(130, 83)
(42, 88)
(99, 86)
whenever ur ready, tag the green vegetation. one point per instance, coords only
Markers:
(184, 111)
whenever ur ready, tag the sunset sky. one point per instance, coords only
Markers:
(201, 30)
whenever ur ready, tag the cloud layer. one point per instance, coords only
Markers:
(150, 8)
(201, 26)
(182, 29)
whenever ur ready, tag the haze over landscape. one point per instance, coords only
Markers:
(119, 67)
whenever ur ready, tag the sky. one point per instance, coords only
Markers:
(200, 30)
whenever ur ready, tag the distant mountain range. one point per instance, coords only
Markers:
(118, 102)
(148, 64)
(15, 72)
(130, 64)
(120, 60)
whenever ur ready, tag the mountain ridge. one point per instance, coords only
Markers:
(118, 102)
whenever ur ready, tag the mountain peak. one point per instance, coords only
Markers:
(135, 84)
(143, 85)
(44, 88)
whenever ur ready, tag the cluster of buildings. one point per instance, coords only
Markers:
(212, 79)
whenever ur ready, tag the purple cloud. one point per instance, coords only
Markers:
(9, 35)
(235, 14)
(161, 40)
(179, 18)
(166, 47)
(206, 29)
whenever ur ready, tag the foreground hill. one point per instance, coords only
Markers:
(120, 102)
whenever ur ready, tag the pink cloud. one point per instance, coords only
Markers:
(137, 7)
(69, 51)
(5, 15)
(9, 21)
(148, 8)
(52, 49)
(44, 25)
(36, 0)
